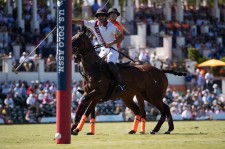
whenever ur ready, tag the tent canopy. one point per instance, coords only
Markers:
(212, 63)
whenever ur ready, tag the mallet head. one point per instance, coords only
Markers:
(14, 70)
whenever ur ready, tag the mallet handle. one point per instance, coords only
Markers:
(34, 49)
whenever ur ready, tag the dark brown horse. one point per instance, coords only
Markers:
(145, 81)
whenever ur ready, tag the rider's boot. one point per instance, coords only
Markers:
(115, 72)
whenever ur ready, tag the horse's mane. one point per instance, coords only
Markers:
(82, 37)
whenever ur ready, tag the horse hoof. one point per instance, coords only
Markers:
(152, 132)
(132, 132)
(73, 126)
(90, 133)
(141, 133)
(167, 132)
(75, 132)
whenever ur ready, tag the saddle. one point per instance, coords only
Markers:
(123, 65)
(104, 69)
(103, 66)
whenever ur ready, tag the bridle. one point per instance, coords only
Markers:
(77, 54)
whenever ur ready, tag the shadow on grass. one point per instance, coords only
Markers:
(200, 133)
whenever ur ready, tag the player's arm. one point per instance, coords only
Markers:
(119, 39)
(122, 29)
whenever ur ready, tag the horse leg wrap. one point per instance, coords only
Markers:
(92, 126)
(82, 121)
(136, 122)
(143, 125)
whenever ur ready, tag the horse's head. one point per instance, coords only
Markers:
(80, 45)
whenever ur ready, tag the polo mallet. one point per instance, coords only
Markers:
(105, 4)
(15, 69)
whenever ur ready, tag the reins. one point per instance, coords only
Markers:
(81, 73)
(85, 75)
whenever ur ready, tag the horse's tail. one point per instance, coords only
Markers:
(174, 72)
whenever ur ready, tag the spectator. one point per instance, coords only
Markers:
(9, 103)
(47, 98)
(30, 90)
(19, 101)
(50, 63)
(5, 116)
(41, 96)
(201, 80)
(209, 80)
(46, 87)
(189, 80)
(216, 90)
(32, 106)
(189, 97)
(129, 115)
(141, 56)
(24, 90)
(146, 56)
(36, 59)
(27, 62)
(169, 95)
(120, 108)
(13, 58)
(95, 7)
(153, 58)
(5, 89)
(186, 114)
(53, 88)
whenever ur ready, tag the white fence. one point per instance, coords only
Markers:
(42, 75)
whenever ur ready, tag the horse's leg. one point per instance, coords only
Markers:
(92, 123)
(141, 105)
(79, 112)
(89, 109)
(131, 105)
(165, 113)
(169, 118)
(161, 108)
(84, 101)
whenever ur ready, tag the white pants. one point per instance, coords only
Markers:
(111, 54)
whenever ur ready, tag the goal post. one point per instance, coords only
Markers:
(64, 59)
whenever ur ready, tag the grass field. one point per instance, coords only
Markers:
(187, 135)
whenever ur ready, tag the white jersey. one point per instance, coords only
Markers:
(108, 34)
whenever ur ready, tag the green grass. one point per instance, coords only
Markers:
(187, 135)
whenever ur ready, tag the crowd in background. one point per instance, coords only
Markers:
(194, 37)
(30, 101)
(26, 37)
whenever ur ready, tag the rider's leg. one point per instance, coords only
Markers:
(115, 72)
